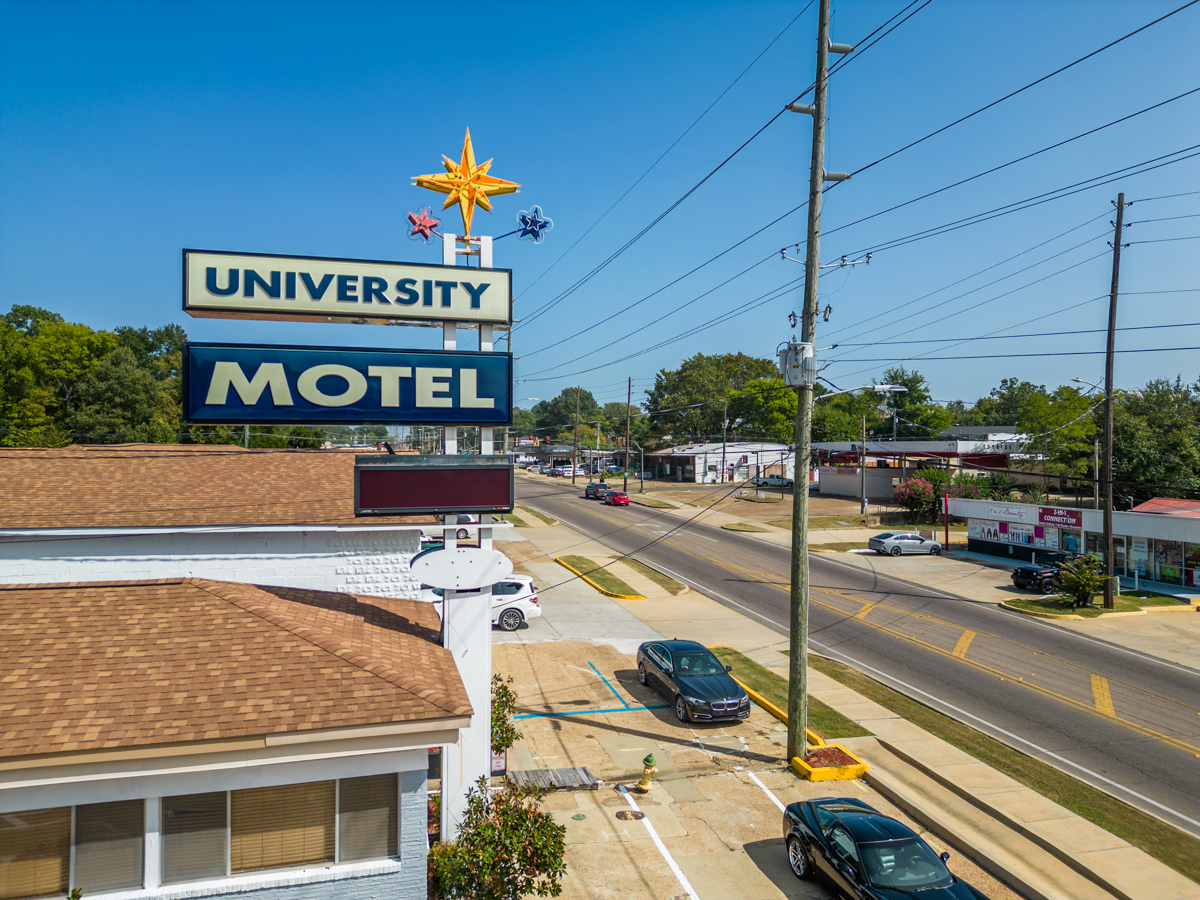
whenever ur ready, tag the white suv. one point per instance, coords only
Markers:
(514, 601)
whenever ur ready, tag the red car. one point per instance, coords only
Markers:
(616, 498)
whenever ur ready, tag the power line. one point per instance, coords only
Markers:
(707, 110)
(1019, 355)
(1190, 237)
(1026, 335)
(1021, 90)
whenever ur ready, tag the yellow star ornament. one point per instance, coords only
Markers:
(466, 183)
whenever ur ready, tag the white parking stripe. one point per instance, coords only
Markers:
(662, 848)
(774, 799)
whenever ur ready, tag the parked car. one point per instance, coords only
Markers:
(687, 675)
(897, 543)
(464, 519)
(864, 854)
(616, 498)
(1042, 573)
(771, 481)
(595, 490)
(514, 601)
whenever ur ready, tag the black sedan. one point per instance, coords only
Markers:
(866, 855)
(693, 680)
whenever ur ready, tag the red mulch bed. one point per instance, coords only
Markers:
(827, 757)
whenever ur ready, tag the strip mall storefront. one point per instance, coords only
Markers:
(1154, 547)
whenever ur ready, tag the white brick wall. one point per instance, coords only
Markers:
(361, 562)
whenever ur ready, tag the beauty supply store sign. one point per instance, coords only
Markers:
(224, 285)
(1021, 525)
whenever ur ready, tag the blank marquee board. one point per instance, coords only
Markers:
(421, 485)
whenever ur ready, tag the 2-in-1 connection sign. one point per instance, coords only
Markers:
(217, 284)
(241, 383)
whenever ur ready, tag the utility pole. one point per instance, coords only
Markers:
(575, 452)
(724, 427)
(1108, 405)
(628, 424)
(862, 466)
(798, 599)
(1096, 475)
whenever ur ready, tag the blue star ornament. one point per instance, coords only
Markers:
(533, 224)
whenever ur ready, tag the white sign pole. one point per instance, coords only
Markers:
(468, 626)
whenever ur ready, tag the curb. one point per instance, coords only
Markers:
(606, 593)
(811, 736)
(640, 501)
(1110, 615)
(685, 590)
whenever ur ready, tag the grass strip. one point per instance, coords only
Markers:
(1061, 606)
(824, 720)
(1166, 844)
(665, 582)
(649, 501)
(839, 545)
(514, 519)
(742, 526)
(602, 577)
(543, 517)
(755, 499)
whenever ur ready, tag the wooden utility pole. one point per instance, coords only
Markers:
(1108, 405)
(575, 452)
(798, 597)
(628, 423)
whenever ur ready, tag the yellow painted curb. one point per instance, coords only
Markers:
(831, 773)
(1108, 615)
(558, 559)
(1039, 615)
(812, 737)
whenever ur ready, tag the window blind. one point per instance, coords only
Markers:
(367, 818)
(289, 825)
(35, 852)
(193, 837)
(108, 845)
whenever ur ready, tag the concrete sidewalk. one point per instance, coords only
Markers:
(1041, 849)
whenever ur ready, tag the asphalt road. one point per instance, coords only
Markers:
(1123, 721)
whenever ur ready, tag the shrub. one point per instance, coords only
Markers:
(1082, 579)
(916, 495)
(504, 703)
(507, 848)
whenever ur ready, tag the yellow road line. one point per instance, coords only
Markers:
(1102, 696)
(862, 613)
(960, 649)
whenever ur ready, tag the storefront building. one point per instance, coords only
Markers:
(1156, 548)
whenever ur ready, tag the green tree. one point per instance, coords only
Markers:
(685, 403)
(1082, 579)
(113, 400)
(524, 423)
(765, 410)
(507, 848)
(560, 412)
(29, 319)
(1156, 440)
(1060, 428)
(920, 418)
(614, 412)
(1007, 403)
(504, 704)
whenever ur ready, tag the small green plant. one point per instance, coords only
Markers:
(504, 703)
(1082, 579)
(916, 495)
(507, 848)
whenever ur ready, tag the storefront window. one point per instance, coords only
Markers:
(1192, 565)
(1071, 541)
(1168, 561)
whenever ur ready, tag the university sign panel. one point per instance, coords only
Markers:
(224, 285)
(279, 385)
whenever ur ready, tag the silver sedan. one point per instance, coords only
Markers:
(898, 543)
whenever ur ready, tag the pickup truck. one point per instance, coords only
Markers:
(771, 481)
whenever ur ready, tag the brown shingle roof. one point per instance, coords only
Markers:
(129, 664)
(187, 485)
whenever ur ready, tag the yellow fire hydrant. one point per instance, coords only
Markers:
(648, 772)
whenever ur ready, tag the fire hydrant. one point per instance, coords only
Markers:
(648, 772)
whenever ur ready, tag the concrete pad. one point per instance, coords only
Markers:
(676, 607)
(1127, 869)
(1030, 809)
(936, 754)
(719, 876)
(975, 777)
(1066, 834)
(1170, 636)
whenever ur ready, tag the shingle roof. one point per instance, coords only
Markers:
(1169, 506)
(185, 485)
(129, 664)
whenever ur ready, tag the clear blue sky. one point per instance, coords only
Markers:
(131, 130)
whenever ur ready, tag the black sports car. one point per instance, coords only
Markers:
(690, 677)
(866, 855)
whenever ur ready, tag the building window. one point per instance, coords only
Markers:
(367, 818)
(194, 829)
(276, 827)
(36, 859)
(108, 846)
